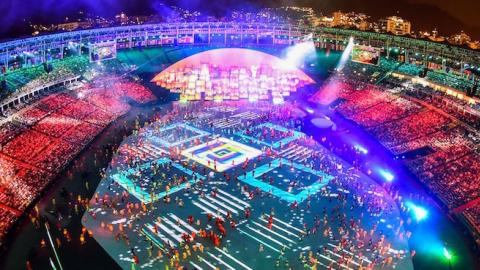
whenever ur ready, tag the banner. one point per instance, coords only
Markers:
(103, 51)
(366, 55)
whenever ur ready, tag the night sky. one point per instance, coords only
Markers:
(449, 16)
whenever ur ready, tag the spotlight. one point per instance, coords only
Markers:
(418, 212)
(386, 175)
(361, 149)
(447, 254)
(346, 54)
(297, 54)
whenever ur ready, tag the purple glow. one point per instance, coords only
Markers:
(388, 176)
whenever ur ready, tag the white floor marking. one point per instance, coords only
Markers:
(258, 240)
(339, 256)
(196, 266)
(273, 232)
(233, 197)
(360, 258)
(233, 258)
(213, 206)
(173, 225)
(280, 228)
(288, 225)
(230, 202)
(169, 232)
(221, 261)
(185, 224)
(207, 263)
(222, 204)
(161, 236)
(208, 211)
(266, 236)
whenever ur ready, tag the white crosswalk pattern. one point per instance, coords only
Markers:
(280, 228)
(221, 261)
(233, 197)
(173, 225)
(185, 224)
(288, 225)
(207, 262)
(230, 202)
(213, 206)
(222, 204)
(266, 236)
(161, 236)
(205, 209)
(169, 232)
(273, 232)
(196, 266)
(233, 259)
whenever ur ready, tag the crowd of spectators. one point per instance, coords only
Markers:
(460, 108)
(473, 216)
(458, 183)
(450, 167)
(364, 99)
(438, 141)
(449, 79)
(385, 112)
(9, 130)
(26, 79)
(41, 139)
(410, 128)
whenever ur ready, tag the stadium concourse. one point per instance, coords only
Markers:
(139, 180)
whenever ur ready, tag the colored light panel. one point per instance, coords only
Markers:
(221, 154)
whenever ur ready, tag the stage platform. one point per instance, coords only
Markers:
(282, 199)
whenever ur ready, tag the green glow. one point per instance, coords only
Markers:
(447, 254)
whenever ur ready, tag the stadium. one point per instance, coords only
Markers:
(228, 145)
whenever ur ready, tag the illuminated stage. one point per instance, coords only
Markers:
(221, 154)
(272, 190)
(233, 74)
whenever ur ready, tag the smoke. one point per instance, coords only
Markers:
(299, 53)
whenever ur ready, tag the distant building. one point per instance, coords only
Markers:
(459, 39)
(351, 20)
(70, 26)
(475, 45)
(323, 21)
(395, 25)
(339, 19)
(122, 19)
(433, 36)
